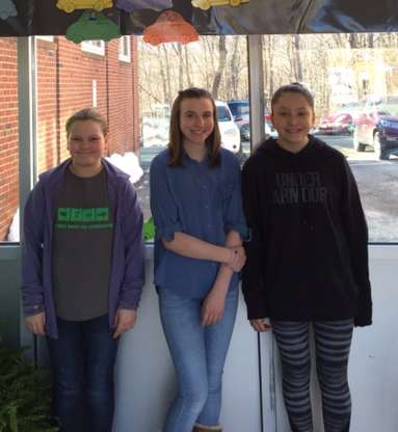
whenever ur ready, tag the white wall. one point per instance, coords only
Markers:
(373, 367)
(146, 381)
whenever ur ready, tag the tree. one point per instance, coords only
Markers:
(219, 64)
(222, 60)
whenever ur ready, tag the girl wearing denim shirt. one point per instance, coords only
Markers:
(197, 209)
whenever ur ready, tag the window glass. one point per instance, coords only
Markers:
(223, 114)
(354, 78)
(125, 48)
(216, 63)
(9, 141)
(69, 79)
(239, 108)
(355, 83)
(93, 47)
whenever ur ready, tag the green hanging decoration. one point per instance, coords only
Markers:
(92, 26)
(69, 6)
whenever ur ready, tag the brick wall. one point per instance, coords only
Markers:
(66, 82)
(135, 95)
(47, 119)
(9, 163)
(64, 85)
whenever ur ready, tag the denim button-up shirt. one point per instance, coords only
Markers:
(202, 201)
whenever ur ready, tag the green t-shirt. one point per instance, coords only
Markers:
(82, 248)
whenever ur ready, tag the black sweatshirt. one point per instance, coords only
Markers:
(307, 257)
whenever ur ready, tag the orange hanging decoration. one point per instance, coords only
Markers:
(170, 27)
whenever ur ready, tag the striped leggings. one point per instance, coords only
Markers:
(332, 346)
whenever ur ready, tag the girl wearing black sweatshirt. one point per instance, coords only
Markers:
(307, 261)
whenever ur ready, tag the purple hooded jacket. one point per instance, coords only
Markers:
(127, 271)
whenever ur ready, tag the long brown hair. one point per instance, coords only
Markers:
(213, 141)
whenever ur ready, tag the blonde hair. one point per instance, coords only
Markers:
(85, 115)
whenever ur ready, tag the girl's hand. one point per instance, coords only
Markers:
(238, 258)
(125, 320)
(213, 307)
(261, 325)
(36, 324)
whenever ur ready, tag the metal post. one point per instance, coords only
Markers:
(256, 89)
(27, 79)
(257, 135)
(27, 116)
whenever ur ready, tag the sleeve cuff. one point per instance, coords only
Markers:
(167, 232)
(256, 306)
(243, 230)
(362, 321)
(33, 310)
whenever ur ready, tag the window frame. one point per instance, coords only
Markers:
(93, 47)
(125, 42)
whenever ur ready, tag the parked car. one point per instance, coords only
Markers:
(340, 123)
(268, 129)
(230, 134)
(240, 109)
(245, 132)
(377, 127)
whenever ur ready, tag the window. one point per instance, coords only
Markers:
(355, 83)
(94, 47)
(9, 141)
(359, 120)
(79, 81)
(223, 114)
(168, 68)
(94, 94)
(125, 49)
(46, 38)
(239, 108)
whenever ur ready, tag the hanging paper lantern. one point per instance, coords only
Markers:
(170, 27)
(134, 5)
(71, 5)
(7, 9)
(92, 26)
(207, 4)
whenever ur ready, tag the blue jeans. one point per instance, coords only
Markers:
(83, 360)
(198, 355)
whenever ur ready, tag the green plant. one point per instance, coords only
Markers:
(149, 230)
(25, 395)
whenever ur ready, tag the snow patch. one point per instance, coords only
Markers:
(128, 163)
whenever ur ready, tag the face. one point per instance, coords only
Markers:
(293, 118)
(86, 143)
(196, 120)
